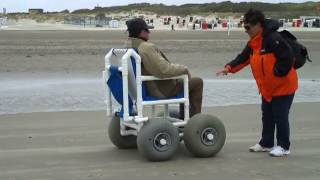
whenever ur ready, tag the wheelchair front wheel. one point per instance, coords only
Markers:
(204, 135)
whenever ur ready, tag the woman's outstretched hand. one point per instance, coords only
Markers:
(223, 72)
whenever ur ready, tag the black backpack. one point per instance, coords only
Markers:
(299, 50)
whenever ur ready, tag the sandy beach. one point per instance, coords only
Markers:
(52, 123)
(82, 52)
(74, 145)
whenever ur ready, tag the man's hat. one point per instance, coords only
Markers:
(135, 26)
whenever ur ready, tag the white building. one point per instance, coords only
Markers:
(114, 24)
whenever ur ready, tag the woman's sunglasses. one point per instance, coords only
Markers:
(147, 30)
(247, 27)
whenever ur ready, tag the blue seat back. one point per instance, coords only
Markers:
(116, 87)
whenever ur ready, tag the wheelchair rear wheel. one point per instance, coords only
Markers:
(122, 142)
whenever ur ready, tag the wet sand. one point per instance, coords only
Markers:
(74, 145)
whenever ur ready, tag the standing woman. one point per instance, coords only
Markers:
(271, 60)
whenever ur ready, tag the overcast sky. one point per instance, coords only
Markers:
(58, 5)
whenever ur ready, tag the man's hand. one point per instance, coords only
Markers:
(223, 72)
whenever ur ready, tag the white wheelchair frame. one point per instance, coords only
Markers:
(132, 86)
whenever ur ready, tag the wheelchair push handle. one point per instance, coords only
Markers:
(117, 52)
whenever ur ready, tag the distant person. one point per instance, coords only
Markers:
(172, 27)
(271, 60)
(155, 63)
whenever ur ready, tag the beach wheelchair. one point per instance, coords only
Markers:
(157, 136)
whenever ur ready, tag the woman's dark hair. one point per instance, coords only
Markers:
(253, 16)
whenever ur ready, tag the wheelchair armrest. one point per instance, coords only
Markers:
(153, 78)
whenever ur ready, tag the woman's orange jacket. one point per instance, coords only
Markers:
(271, 60)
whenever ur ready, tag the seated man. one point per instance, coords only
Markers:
(155, 63)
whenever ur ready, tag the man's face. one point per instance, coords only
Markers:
(252, 30)
(144, 34)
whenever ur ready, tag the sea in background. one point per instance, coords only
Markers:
(79, 94)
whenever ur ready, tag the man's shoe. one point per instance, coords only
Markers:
(259, 148)
(278, 151)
